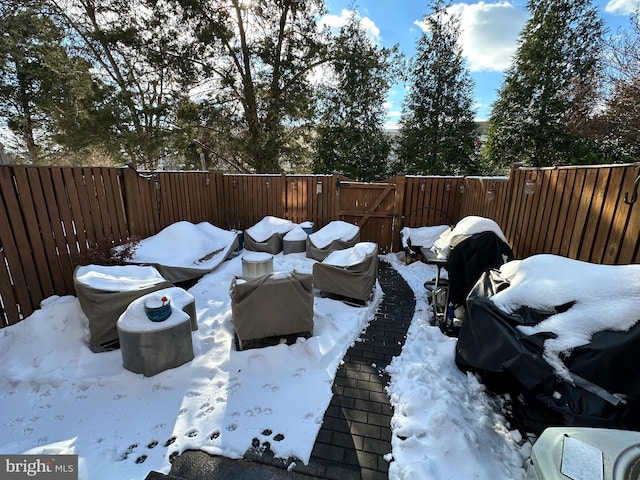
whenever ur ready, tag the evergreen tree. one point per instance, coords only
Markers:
(351, 138)
(142, 54)
(550, 88)
(42, 86)
(438, 134)
(257, 59)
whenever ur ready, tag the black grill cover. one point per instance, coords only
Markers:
(470, 256)
(606, 387)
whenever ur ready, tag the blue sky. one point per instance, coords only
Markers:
(489, 34)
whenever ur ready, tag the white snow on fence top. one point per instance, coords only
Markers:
(183, 244)
(118, 278)
(350, 256)
(336, 230)
(606, 297)
(268, 226)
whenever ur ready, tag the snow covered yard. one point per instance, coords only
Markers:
(59, 397)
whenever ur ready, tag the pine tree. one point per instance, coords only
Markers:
(550, 87)
(438, 134)
(42, 86)
(351, 138)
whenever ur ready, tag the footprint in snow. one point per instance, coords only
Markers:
(298, 373)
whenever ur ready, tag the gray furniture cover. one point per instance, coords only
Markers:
(159, 250)
(320, 254)
(353, 281)
(273, 305)
(272, 245)
(178, 274)
(103, 304)
(151, 347)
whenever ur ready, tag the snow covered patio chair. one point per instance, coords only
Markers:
(267, 235)
(348, 274)
(267, 308)
(336, 235)
(105, 292)
(184, 251)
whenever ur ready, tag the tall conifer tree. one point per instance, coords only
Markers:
(438, 134)
(351, 138)
(551, 85)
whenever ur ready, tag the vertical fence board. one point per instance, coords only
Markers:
(39, 278)
(631, 235)
(547, 195)
(606, 224)
(61, 268)
(63, 206)
(572, 206)
(583, 208)
(596, 219)
(14, 291)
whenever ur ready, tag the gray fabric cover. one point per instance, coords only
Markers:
(176, 274)
(320, 254)
(272, 245)
(272, 305)
(104, 307)
(293, 246)
(353, 281)
(152, 352)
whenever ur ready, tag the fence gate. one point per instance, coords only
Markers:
(371, 206)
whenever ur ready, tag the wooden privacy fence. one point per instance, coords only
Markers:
(52, 217)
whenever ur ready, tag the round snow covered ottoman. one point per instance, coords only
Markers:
(295, 241)
(150, 347)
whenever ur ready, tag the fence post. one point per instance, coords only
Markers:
(398, 211)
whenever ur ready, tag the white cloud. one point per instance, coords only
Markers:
(334, 22)
(622, 7)
(489, 33)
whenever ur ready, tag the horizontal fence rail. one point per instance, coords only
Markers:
(53, 218)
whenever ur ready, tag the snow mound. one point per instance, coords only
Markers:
(268, 226)
(601, 297)
(336, 230)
